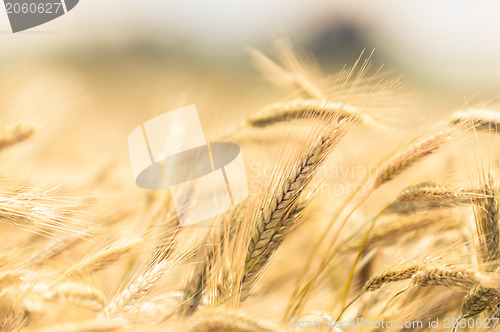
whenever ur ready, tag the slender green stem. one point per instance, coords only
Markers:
(360, 252)
(348, 305)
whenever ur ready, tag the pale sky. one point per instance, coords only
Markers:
(458, 39)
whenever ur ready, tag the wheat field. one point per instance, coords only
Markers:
(334, 235)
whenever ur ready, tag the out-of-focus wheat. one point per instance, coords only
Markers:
(410, 155)
(154, 275)
(478, 119)
(271, 225)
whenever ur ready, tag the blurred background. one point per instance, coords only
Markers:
(85, 80)
(108, 65)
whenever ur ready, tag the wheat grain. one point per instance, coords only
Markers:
(76, 293)
(40, 214)
(430, 195)
(434, 191)
(165, 235)
(208, 255)
(141, 285)
(270, 227)
(486, 211)
(306, 108)
(103, 259)
(422, 219)
(447, 275)
(53, 249)
(139, 288)
(486, 218)
(410, 155)
(397, 273)
(479, 119)
(478, 300)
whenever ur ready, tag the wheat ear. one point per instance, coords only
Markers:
(103, 258)
(76, 293)
(53, 249)
(434, 191)
(305, 108)
(411, 155)
(486, 218)
(196, 283)
(393, 166)
(40, 214)
(430, 194)
(393, 274)
(479, 119)
(139, 288)
(479, 299)
(447, 275)
(271, 226)
(141, 285)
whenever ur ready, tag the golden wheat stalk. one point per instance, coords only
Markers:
(434, 191)
(103, 259)
(306, 108)
(138, 289)
(458, 276)
(76, 293)
(193, 291)
(165, 234)
(403, 271)
(314, 102)
(479, 299)
(486, 211)
(478, 119)
(393, 166)
(486, 218)
(140, 286)
(410, 155)
(208, 258)
(430, 194)
(271, 224)
(52, 249)
(41, 214)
